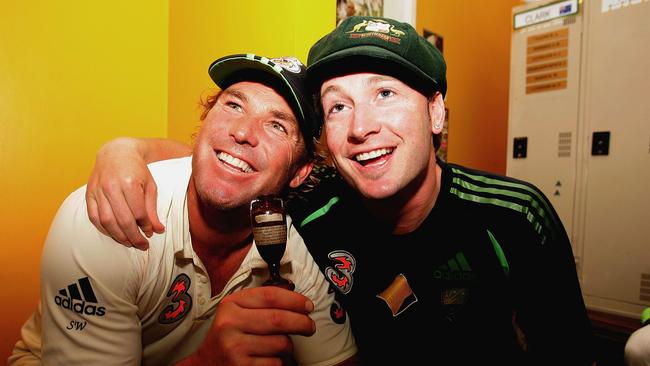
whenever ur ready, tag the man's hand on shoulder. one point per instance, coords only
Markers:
(121, 193)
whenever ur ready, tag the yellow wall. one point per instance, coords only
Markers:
(73, 74)
(476, 47)
(202, 31)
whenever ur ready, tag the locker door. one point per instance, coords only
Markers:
(543, 109)
(615, 198)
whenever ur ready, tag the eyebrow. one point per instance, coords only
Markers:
(329, 89)
(378, 79)
(284, 116)
(368, 82)
(235, 93)
(275, 112)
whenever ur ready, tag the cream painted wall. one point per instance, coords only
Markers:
(73, 74)
(477, 50)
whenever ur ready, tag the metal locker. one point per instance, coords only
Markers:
(579, 128)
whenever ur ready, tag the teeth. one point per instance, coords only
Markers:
(242, 165)
(373, 154)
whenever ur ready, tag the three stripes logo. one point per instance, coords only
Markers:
(509, 194)
(457, 268)
(80, 298)
(452, 300)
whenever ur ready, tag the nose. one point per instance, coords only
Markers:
(365, 122)
(244, 131)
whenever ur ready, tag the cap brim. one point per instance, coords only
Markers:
(366, 58)
(221, 70)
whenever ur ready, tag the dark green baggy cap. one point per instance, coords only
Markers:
(375, 44)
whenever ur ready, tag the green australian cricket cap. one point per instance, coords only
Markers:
(285, 75)
(382, 45)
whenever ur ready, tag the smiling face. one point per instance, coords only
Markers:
(249, 144)
(379, 131)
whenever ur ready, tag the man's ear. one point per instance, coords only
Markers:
(437, 113)
(301, 174)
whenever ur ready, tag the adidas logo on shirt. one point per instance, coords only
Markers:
(83, 302)
(456, 268)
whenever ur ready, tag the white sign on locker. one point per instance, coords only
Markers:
(545, 13)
